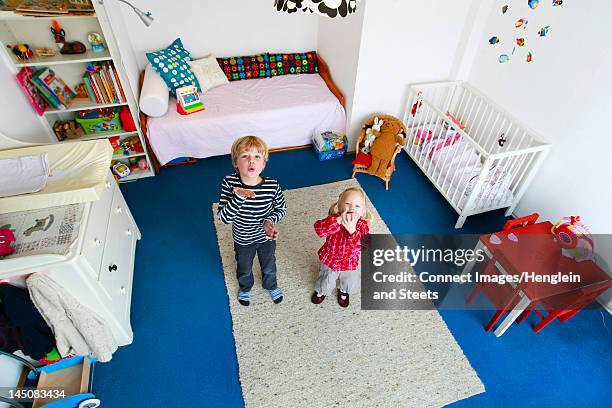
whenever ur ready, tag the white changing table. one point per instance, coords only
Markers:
(98, 269)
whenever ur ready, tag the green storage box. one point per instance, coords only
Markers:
(104, 124)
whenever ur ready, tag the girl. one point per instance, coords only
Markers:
(346, 223)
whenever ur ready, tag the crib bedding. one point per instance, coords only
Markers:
(284, 111)
(457, 165)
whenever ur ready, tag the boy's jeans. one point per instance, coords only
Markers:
(244, 270)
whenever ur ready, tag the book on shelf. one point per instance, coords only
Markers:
(56, 87)
(117, 84)
(51, 99)
(37, 101)
(104, 83)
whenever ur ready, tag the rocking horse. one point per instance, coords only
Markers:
(71, 47)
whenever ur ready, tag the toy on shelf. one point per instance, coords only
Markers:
(45, 52)
(131, 145)
(67, 130)
(574, 238)
(6, 242)
(21, 51)
(81, 91)
(142, 164)
(121, 170)
(96, 42)
(188, 100)
(99, 120)
(70, 47)
(126, 119)
(117, 149)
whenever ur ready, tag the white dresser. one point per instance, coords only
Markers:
(98, 270)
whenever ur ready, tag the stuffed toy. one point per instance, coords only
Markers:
(370, 136)
(6, 242)
(390, 135)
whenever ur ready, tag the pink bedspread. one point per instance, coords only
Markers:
(284, 111)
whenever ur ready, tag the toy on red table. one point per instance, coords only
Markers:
(6, 239)
(575, 238)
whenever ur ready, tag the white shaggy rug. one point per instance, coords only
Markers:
(297, 354)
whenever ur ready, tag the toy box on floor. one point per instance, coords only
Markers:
(329, 145)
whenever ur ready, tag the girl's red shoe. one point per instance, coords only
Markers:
(316, 298)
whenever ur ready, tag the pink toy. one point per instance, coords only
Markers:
(6, 239)
(421, 136)
(574, 238)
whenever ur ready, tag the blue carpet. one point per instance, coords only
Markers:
(183, 352)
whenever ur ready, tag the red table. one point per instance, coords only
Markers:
(537, 259)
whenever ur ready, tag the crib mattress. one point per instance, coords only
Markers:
(78, 173)
(284, 111)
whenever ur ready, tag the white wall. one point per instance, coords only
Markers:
(18, 119)
(403, 42)
(339, 43)
(223, 28)
(564, 94)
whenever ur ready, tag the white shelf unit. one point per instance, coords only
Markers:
(36, 32)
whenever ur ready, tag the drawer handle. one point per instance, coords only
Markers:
(122, 290)
(119, 210)
(97, 242)
(112, 268)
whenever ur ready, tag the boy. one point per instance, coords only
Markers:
(253, 204)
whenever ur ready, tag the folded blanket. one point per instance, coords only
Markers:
(77, 329)
(21, 175)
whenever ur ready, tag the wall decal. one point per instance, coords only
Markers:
(544, 31)
(520, 17)
(522, 22)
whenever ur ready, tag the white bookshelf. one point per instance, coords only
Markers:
(35, 31)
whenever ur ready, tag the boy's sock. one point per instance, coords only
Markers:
(277, 295)
(244, 298)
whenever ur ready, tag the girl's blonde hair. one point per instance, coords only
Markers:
(334, 210)
(247, 143)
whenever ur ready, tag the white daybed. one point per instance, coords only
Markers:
(485, 166)
(284, 111)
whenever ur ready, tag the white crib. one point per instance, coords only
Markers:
(485, 166)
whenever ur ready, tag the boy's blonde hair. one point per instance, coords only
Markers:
(334, 210)
(246, 143)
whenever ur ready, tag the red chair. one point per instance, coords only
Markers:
(504, 297)
(521, 222)
(566, 305)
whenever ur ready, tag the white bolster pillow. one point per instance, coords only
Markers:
(155, 94)
(22, 175)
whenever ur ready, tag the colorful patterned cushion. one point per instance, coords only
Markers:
(171, 64)
(297, 63)
(247, 67)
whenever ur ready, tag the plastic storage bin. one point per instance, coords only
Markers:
(103, 124)
(329, 155)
